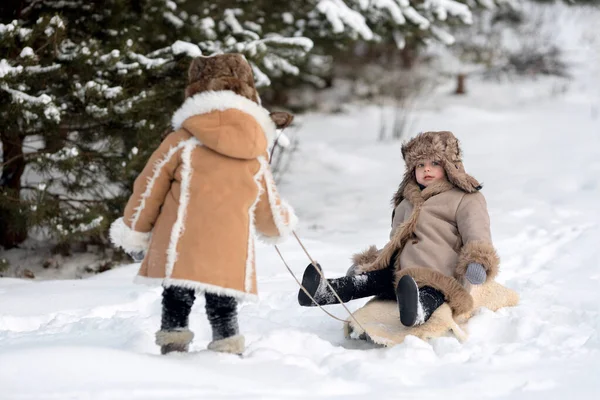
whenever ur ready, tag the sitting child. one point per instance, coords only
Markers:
(440, 243)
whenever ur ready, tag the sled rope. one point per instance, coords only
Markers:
(303, 288)
(314, 264)
(328, 284)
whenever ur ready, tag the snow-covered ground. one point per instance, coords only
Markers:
(538, 156)
(535, 146)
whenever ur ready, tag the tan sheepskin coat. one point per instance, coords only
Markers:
(436, 232)
(204, 195)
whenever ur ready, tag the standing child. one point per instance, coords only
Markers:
(200, 200)
(440, 243)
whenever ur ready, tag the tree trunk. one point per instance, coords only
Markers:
(460, 84)
(408, 55)
(13, 222)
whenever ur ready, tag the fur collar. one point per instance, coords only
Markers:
(416, 196)
(206, 102)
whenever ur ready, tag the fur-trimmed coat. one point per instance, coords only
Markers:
(439, 230)
(436, 232)
(203, 196)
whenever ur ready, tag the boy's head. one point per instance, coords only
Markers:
(431, 156)
(428, 171)
(222, 72)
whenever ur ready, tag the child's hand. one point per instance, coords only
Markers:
(476, 273)
(281, 119)
(353, 270)
(137, 256)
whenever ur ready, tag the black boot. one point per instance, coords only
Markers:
(374, 283)
(174, 334)
(416, 305)
(221, 312)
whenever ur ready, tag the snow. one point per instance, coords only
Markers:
(276, 65)
(189, 49)
(288, 18)
(260, 78)
(231, 20)
(51, 112)
(305, 43)
(7, 69)
(94, 337)
(149, 63)
(27, 52)
(393, 8)
(399, 40)
(534, 145)
(442, 35)
(8, 28)
(413, 15)
(173, 19)
(341, 16)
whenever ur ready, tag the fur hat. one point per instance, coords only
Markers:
(228, 72)
(440, 146)
(222, 72)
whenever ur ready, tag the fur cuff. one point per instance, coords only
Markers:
(129, 240)
(481, 252)
(234, 345)
(284, 229)
(457, 297)
(367, 256)
(182, 336)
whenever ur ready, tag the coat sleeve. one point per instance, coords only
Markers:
(274, 218)
(473, 222)
(132, 231)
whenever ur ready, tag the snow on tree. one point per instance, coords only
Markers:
(86, 90)
(87, 86)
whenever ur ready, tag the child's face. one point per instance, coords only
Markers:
(429, 171)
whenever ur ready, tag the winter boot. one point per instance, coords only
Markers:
(416, 305)
(174, 334)
(175, 340)
(221, 312)
(374, 283)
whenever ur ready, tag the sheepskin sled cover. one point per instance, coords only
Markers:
(381, 319)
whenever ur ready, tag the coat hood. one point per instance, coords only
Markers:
(227, 123)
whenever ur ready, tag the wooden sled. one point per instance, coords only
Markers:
(381, 318)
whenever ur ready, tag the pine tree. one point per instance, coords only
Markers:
(86, 90)
(88, 87)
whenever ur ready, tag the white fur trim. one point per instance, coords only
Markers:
(197, 286)
(123, 236)
(252, 230)
(222, 100)
(181, 336)
(277, 210)
(208, 288)
(158, 168)
(184, 198)
(234, 344)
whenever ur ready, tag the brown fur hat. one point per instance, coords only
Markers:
(222, 72)
(440, 146)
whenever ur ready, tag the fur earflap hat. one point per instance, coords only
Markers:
(222, 72)
(228, 72)
(443, 147)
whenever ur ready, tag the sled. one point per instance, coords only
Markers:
(381, 318)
